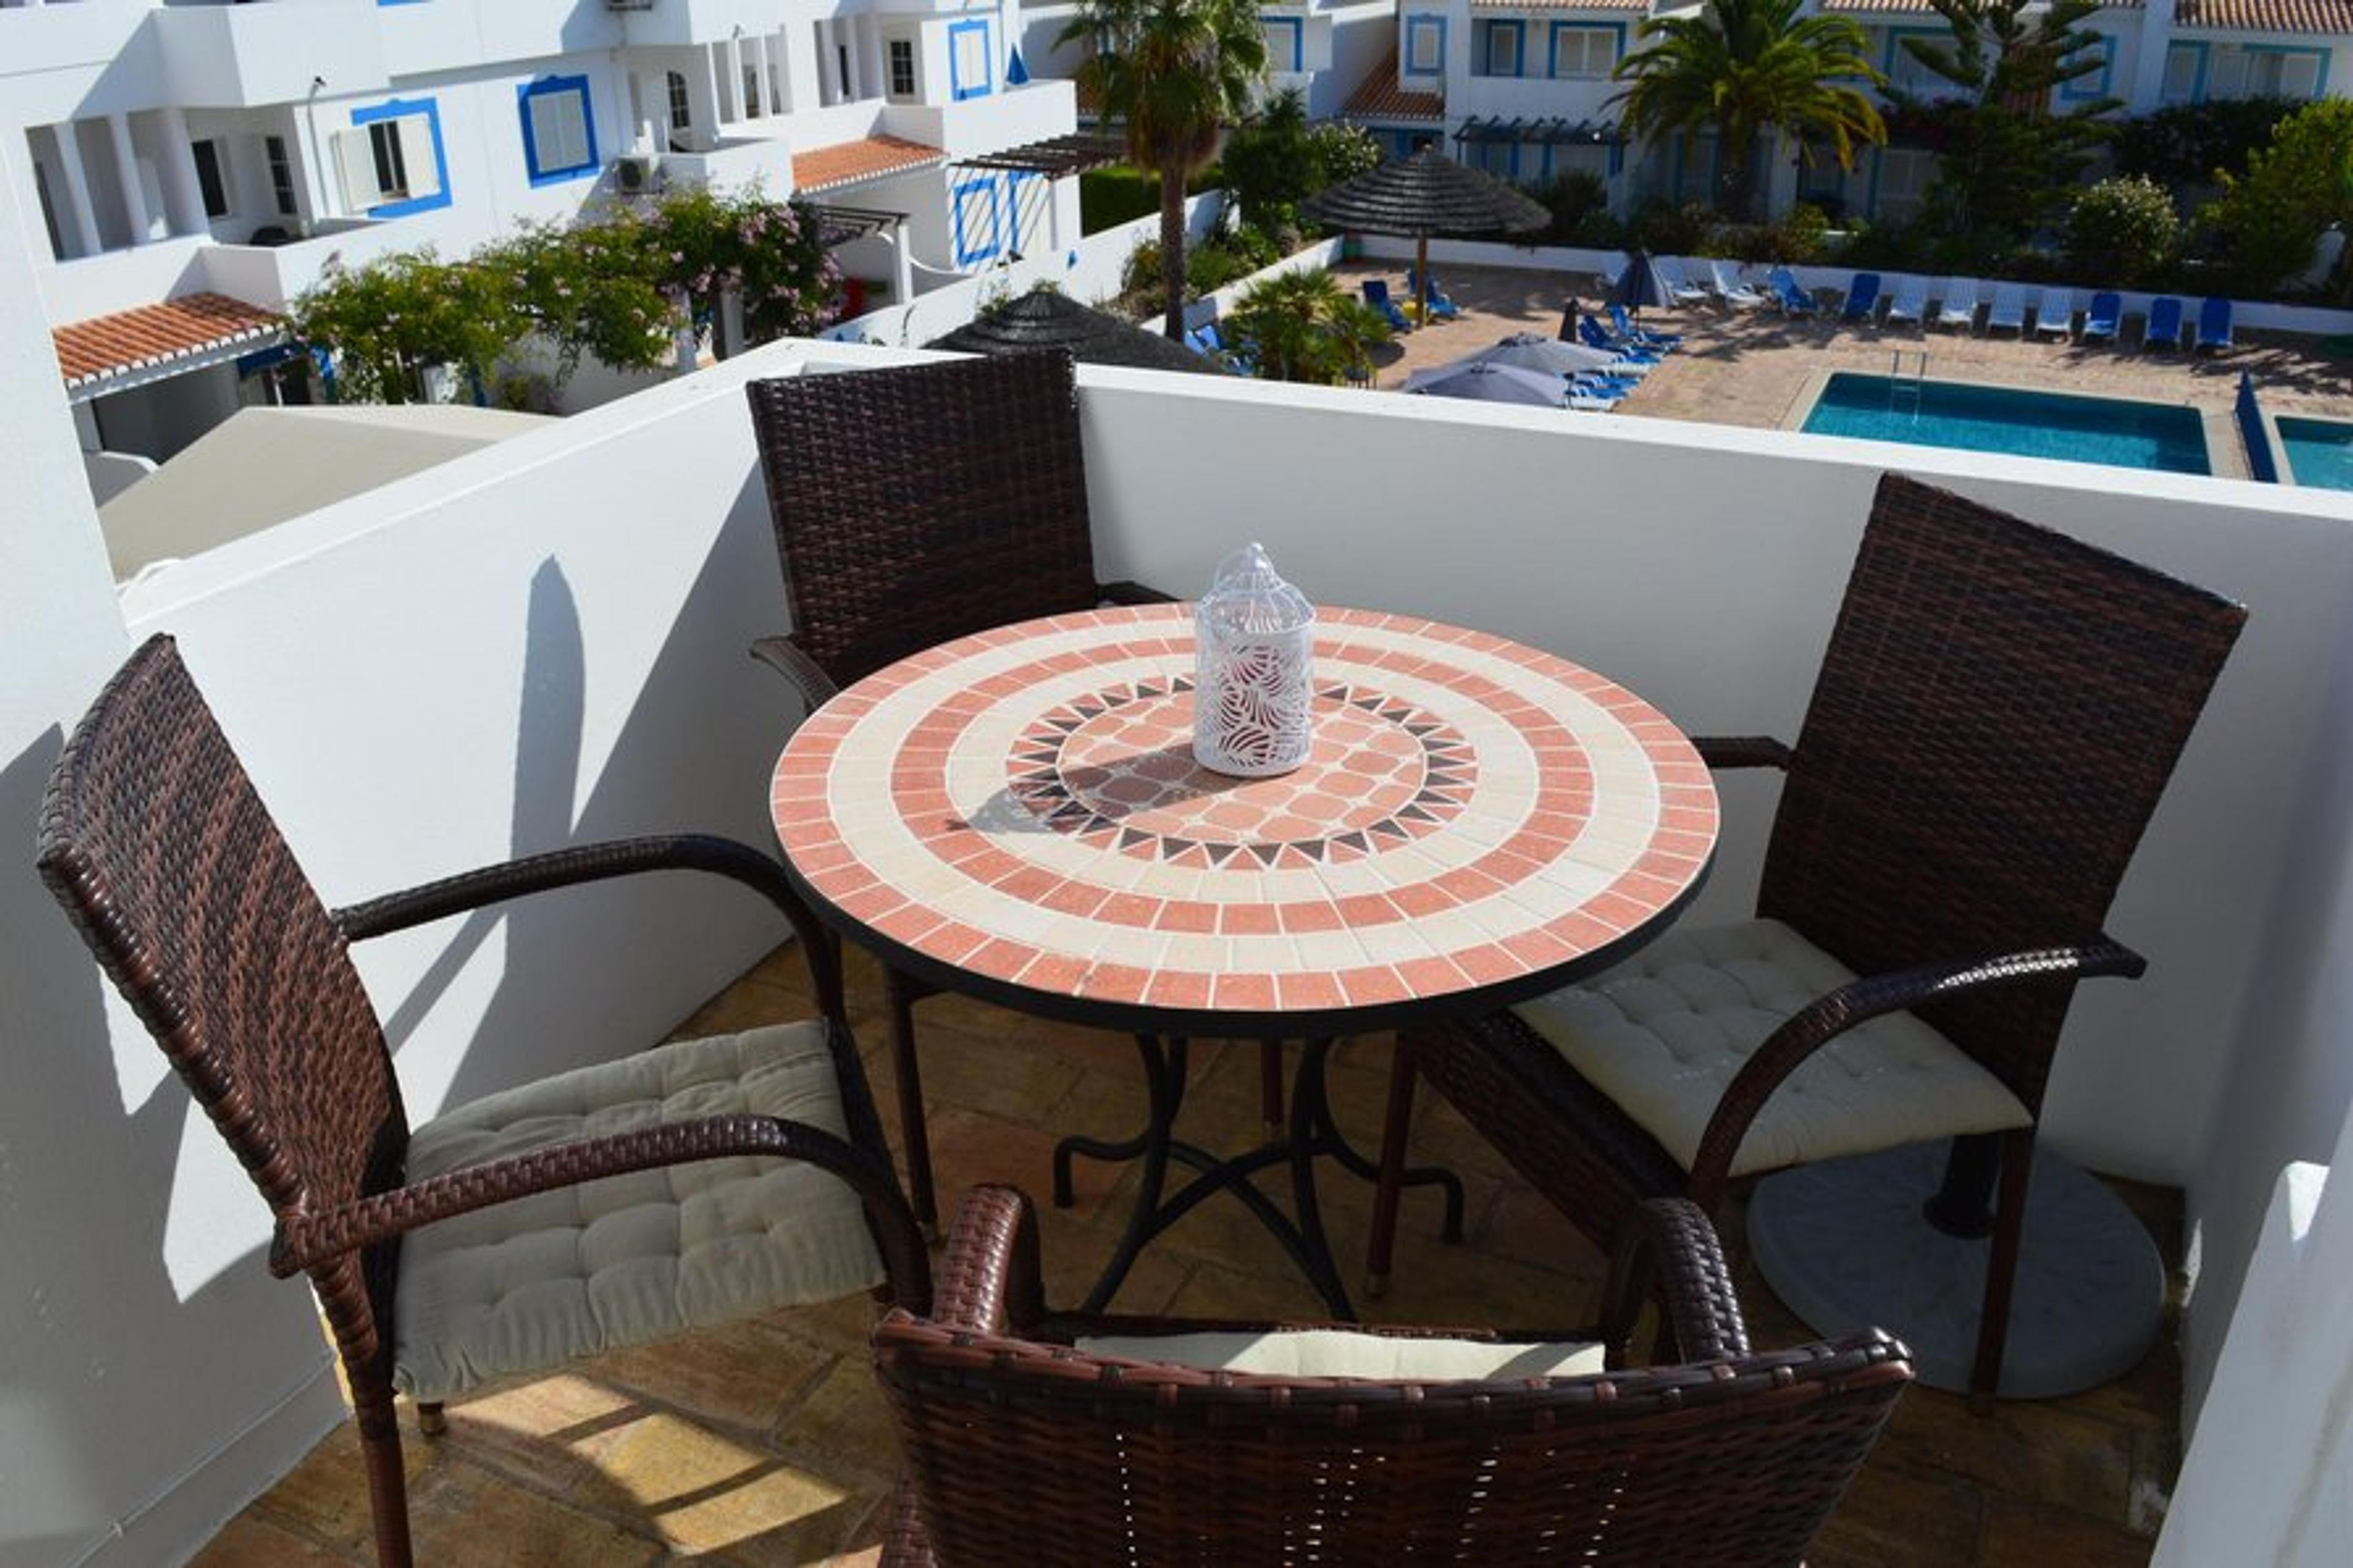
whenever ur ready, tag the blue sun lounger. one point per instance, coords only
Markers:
(1626, 330)
(1377, 295)
(2102, 318)
(1436, 306)
(1862, 297)
(2214, 325)
(1782, 284)
(2162, 329)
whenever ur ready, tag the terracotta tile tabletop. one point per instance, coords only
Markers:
(1017, 815)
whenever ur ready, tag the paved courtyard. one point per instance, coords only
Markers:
(1757, 368)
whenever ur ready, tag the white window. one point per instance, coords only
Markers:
(1502, 51)
(559, 132)
(1425, 45)
(2281, 73)
(388, 160)
(1903, 176)
(2183, 65)
(1584, 51)
(281, 172)
(903, 67)
(968, 73)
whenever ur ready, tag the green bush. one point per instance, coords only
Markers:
(1109, 197)
(1579, 201)
(2187, 143)
(2266, 224)
(1210, 268)
(2123, 231)
(1667, 230)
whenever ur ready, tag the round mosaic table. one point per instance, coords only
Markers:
(1016, 815)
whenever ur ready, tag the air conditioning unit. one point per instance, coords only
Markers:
(633, 174)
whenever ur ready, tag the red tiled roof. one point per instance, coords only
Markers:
(1560, 4)
(1378, 97)
(2267, 16)
(153, 335)
(1864, 8)
(847, 163)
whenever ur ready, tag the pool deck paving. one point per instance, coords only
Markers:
(1758, 368)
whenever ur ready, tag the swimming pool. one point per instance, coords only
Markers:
(2115, 431)
(2319, 451)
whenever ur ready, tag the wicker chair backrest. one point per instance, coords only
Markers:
(160, 850)
(1998, 712)
(917, 504)
(1033, 1455)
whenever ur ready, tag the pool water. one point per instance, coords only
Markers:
(2121, 433)
(2319, 452)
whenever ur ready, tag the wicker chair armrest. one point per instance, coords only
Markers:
(1669, 1252)
(991, 1280)
(306, 1241)
(1832, 1014)
(469, 890)
(784, 656)
(1127, 593)
(1742, 751)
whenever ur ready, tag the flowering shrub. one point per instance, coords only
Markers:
(2122, 230)
(618, 287)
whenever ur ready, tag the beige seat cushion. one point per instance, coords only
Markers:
(1338, 1352)
(524, 1286)
(1663, 1032)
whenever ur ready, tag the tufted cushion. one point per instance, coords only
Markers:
(524, 1286)
(1338, 1352)
(1663, 1032)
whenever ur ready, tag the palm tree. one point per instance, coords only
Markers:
(1301, 326)
(1745, 66)
(1174, 72)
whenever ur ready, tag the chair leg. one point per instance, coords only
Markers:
(2001, 1266)
(1395, 1121)
(430, 1419)
(387, 1485)
(900, 998)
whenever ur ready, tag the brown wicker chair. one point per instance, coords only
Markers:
(1996, 715)
(416, 1242)
(1026, 1449)
(914, 504)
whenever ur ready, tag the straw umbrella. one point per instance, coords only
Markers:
(1043, 318)
(1427, 194)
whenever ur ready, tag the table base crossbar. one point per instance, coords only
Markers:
(1310, 1134)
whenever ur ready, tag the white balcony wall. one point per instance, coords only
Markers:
(1534, 98)
(545, 642)
(701, 21)
(231, 57)
(95, 57)
(116, 280)
(462, 34)
(989, 124)
(735, 162)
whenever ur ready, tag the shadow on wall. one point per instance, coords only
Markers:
(93, 1231)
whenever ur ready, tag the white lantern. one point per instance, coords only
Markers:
(1252, 699)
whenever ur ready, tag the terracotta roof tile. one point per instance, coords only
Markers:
(847, 163)
(2267, 16)
(1560, 4)
(154, 334)
(1378, 97)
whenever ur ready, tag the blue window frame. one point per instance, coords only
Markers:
(972, 217)
(1503, 47)
(1581, 51)
(1286, 42)
(970, 71)
(1015, 219)
(1902, 70)
(427, 112)
(559, 130)
(2093, 84)
(1425, 46)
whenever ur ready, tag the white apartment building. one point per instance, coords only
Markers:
(187, 168)
(1522, 87)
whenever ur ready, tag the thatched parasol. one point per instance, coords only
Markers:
(1043, 318)
(1427, 194)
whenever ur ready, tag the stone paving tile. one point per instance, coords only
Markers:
(769, 1442)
